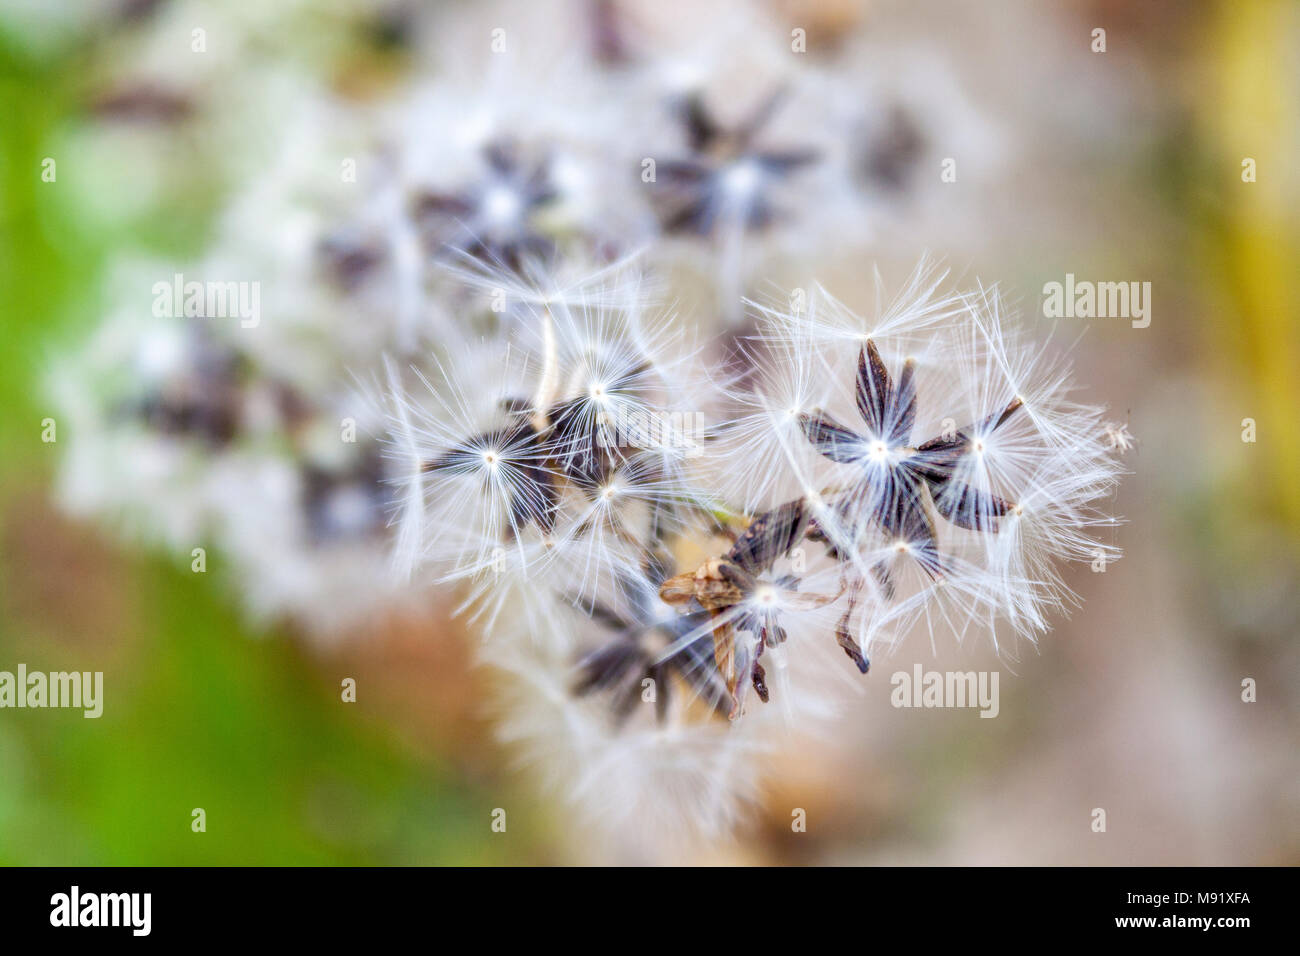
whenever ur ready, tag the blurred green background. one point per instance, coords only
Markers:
(201, 711)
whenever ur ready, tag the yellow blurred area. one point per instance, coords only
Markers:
(1249, 106)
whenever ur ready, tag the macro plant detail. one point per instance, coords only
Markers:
(669, 584)
(500, 373)
(491, 220)
(726, 178)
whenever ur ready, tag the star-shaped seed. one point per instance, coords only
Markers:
(517, 458)
(728, 177)
(898, 475)
(641, 635)
(740, 594)
(493, 219)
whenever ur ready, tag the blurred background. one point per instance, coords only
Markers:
(1117, 165)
